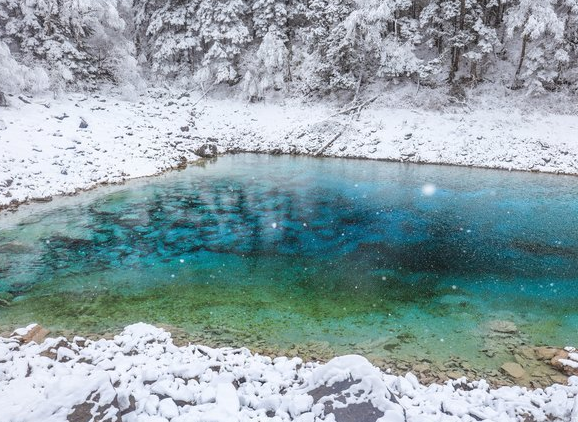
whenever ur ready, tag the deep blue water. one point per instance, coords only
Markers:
(324, 254)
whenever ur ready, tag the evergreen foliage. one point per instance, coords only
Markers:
(312, 46)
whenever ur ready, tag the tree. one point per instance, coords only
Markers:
(174, 37)
(76, 42)
(15, 77)
(459, 29)
(269, 16)
(543, 50)
(224, 33)
(370, 40)
(269, 69)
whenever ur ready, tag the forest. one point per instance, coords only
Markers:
(307, 47)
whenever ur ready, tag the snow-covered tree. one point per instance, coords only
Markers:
(545, 40)
(76, 41)
(269, 68)
(174, 37)
(15, 77)
(368, 41)
(224, 33)
(269, 16)
(460, 29)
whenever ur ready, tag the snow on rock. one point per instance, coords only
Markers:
(44, 152)
(141, 375)
(566, 360)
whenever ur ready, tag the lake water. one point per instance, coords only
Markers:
(460, 269)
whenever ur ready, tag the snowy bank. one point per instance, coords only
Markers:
(53, 147)
(140, 375)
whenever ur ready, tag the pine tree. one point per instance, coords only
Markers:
(15, 77)
(542, 51)
(174, 37)
(224, 33)
(269, 69)
(269, 16)
(459, 29)
(370, 40)
(72, 40)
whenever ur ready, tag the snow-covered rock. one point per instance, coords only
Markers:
(140, 375)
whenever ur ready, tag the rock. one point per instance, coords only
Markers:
(513, 369)
(185, 128)
(182, 164)
(168, 409)
(5, 299)
(505, 327)
(33, 333)
(454, 375)
(421, 367)
(566, 362)
(546, 353)
(559, 379)
(528, 353)
(206, 151)
(83, 124)
(3, 102)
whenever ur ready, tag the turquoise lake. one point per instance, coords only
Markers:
(308, 256)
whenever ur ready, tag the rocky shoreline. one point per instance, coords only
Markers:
(144, 374)
(77, 143)
(524, 365)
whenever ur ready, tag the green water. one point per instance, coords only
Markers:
(306, 256)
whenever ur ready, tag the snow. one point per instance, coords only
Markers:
(140, 375)
(44, 152)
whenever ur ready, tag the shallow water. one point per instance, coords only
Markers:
(309, 256)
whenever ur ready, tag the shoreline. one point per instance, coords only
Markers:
(46, 154)
(537, 370)
(142, 372)
(15, 205)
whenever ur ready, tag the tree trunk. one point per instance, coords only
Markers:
(456, 51)
(522, 56)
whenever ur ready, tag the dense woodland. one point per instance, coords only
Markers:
(310, 47)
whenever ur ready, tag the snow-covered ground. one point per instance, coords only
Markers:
(142, 376)
(44, 151)
(51, 147)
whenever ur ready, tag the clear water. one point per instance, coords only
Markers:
(309, 256)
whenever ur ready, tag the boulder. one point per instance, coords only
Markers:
(566, 362)
(33, 333)
(546, 353)
(513, 369)
(182, 164)
(206, 151)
